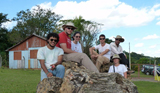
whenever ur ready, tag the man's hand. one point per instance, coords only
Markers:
(53, 67)
(94, 56)
(49, 75)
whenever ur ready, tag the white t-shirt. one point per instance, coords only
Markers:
(76, 47)
(50, 56)
(115, 49)
(103, 48)
(121, 69)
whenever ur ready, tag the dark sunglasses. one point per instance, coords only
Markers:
(78, 36)
(54, 40)
(101, 38)
(70, 28)
(119, 39)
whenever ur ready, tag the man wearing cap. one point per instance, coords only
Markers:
(118, 68)
(104, 52)
(70, 55)
(117, 49)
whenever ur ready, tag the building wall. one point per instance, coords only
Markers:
(26, 60)
(29, 43)
(20, 56)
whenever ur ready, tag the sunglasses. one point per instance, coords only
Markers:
(70, 28)
(101, 38)
(78, 36)
(54, 40)
(119, 39)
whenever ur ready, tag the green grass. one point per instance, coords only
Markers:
(141, 75)
(147, 87)
(18, 80)
(25, 81)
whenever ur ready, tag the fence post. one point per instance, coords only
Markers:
(138, 70)
(0, 61)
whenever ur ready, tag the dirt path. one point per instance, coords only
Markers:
(144, 79)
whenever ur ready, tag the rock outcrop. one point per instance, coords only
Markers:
(80, 80)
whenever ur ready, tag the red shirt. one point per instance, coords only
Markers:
(63, 38)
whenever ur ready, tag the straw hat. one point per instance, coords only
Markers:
(116, 56)
(69, 24)
(119, 37)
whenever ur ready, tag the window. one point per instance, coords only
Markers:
(33, 54)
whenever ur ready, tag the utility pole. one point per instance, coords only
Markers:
(129, 57)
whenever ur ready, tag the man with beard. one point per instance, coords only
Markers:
(50, 58)
(70, 55)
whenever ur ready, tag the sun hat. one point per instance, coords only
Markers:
(119, 37)
(69, 24)
(116, 56)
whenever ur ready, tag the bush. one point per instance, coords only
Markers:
(134, 67)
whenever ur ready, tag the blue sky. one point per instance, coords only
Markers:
(138, 21)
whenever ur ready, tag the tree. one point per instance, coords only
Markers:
(39, 21)
(88, 29)
(4, 44)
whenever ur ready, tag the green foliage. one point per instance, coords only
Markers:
(134, 67)
(39, 21)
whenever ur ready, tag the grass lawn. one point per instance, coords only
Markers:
(147, 87)
(141, 75)
(25, 81)
(18, 81)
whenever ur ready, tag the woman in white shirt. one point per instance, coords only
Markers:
(75, 45)
(117, 67)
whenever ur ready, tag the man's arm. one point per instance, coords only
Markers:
(60, 58)
(104, 52)
(65, 49)
(91, 50)
(125, 74)
(113, 49)
(45, 69)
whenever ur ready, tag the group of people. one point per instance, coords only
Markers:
(61, 48)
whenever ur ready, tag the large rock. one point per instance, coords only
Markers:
(49, 85)
(78, 79)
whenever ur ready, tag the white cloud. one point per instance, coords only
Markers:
(111, 13)
(112, 38)
(139, 45)
(158, 23)
(154, 36)
(9, 25)
(153, 46)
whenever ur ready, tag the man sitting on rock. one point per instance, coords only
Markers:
(50, 58)
(104, 53)
(117, 49)
(70, 55)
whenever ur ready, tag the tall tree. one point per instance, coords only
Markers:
(39, 21)
(88, 29)
(3, 33)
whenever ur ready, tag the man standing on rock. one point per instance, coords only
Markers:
(117, 49)
(104, 52)
(70, 55)
(50, 58)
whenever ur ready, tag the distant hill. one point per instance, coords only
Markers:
(142, 59)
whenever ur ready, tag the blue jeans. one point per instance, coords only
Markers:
(58, 72)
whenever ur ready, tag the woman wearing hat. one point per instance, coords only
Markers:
(117, 67)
